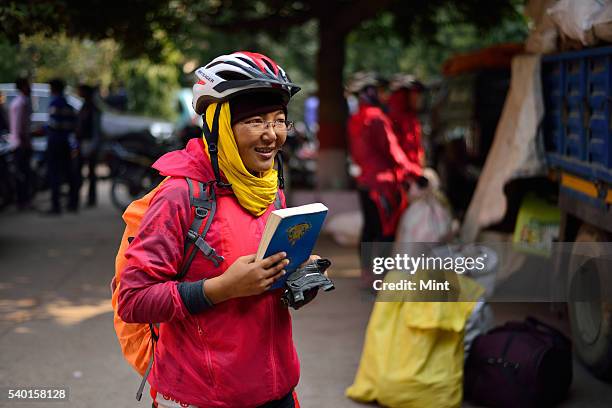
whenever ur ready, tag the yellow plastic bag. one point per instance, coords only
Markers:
(413, 352)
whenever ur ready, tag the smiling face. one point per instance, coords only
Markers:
(257, 148)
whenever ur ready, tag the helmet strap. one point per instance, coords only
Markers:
(212, 140)
(281, 178)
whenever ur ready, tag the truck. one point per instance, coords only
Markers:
(577, 135)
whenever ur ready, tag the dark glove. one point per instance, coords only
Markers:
(303, 284)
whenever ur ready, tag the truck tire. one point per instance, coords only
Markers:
(591, 321)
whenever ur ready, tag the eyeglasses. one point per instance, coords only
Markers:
(259, 125)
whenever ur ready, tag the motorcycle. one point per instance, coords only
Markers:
(129, 158)
(301, 150)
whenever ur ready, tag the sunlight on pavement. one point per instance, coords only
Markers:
(18, 311)
(62, 311)
(67, 314)
(23, 330)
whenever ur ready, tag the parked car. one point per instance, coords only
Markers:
(186, 115)
(114, 124)
(189, 123)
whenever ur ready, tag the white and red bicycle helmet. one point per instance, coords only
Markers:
(237, 73)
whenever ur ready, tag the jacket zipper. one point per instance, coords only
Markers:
(206, 352)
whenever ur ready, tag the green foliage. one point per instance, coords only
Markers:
(131, 23)
(150, 85)
(76, 61)
(28, 17)
(42, 58)
(374, 46)
(11, 64)
(153, 39)
(378, 45)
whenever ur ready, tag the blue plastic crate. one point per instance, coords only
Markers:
(577, 127)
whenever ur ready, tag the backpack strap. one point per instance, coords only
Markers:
(278, 203)
(154, 338)
(205, 207)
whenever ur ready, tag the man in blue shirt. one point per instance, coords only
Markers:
(62, 149)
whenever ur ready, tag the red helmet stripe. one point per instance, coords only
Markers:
(259, 60)
(274, 66)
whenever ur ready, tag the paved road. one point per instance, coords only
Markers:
(56, 319)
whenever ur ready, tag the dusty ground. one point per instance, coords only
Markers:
(56, 319)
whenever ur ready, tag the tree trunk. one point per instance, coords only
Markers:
(331, 165)
(332, 106)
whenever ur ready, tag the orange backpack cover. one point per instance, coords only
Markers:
(134, 338)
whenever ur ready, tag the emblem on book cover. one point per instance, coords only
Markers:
(296, 232)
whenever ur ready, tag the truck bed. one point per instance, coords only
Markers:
(577, 90)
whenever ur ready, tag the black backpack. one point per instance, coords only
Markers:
(520, 364)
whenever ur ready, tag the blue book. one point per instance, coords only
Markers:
(293, 230)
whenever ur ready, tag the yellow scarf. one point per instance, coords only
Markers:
(254, 193)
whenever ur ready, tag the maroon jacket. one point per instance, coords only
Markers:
(406, 126)
(375, 148)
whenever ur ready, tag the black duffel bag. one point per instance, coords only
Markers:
(520, 364)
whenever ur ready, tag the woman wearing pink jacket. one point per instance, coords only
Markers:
(224, 340)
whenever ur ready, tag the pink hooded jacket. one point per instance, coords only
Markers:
(240, 353)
